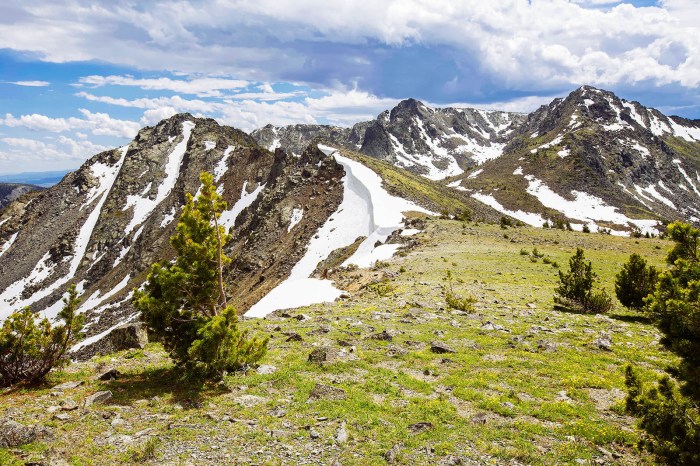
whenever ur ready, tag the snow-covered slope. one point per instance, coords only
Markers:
(366, 210)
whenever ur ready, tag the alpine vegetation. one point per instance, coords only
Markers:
(30, 349)
(184, 303)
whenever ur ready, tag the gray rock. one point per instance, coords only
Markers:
(392, 453)
(68, 385)
(603, 342)
(98, 397)
(441, 348)
(14, 434)
(326, 392)
(341, 435)
(127, 336)
(111, 374)
(266, 369)
(69, 405)
(313, 433)
(323, 355)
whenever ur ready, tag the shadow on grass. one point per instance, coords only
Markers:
(637, 318)
(160, 382)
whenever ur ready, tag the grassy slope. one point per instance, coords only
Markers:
(539, 392)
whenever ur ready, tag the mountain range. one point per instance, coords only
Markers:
(305, 200)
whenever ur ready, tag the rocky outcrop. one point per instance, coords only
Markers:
(12, 191)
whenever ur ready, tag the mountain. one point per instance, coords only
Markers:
(293, 219)
(434, 142)
(43, 179)
(588, 159)
(595, 159)
(11, 191)
(325, 197)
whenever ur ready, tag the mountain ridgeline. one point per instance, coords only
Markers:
(591, 159)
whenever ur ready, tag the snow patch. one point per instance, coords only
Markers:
(532, 219)
(101, 335)
(143, 206)
(475, 173)
(410, 232)
(222, 166)
(2, 222)
(366, 210)
(169, 217)
(209, 145)
(8, 243)
(564, 153)
(518, 171)
(297, 214)
(651, 190)
(228, 217)
(96, 298)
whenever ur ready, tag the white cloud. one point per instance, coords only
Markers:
(200, 86)
(30, 83)
(99, 124)
(62, 148)
(526, 44)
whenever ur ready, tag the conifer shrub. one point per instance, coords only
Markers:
(183, 303)
(575, 291)
(668, 410)
(453, 301)
(635, 282)
(30, 348)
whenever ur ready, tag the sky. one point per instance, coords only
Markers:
(81, 76)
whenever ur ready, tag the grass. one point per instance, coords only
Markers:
(525, 385)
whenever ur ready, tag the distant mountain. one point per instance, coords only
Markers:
(43, 179)
(11, 191)
(434, 142)
(595, 159)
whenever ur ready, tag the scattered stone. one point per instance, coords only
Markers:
(508, 404)
(68, 385)
(99, 397)
(382, 336)
(313, 433)
(62, 416)
(248, 401)
(547, 346)
(111, 374)
(419, 427)
(302, 317)
(392, 453)
(341, 435)
(14, 434)
(441, 348)
(323, 355)
(69, 405)
(327, 392)
(532, 305)
(266, 369)
(294, 337)
(603, 342)
(564, 397)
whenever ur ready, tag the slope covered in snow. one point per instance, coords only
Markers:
(366, 210)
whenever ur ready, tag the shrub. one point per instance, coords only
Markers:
(575, 290)
(453, 301)
(183, 302)
(635, 282)
(669, 411)
(586, 228)
(30, 349)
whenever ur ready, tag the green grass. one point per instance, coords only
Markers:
(497, 400)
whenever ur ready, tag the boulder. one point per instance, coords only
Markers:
(14, 434)
(127, 336)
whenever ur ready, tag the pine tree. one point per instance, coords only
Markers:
(30, 349)
(575, 289)
(184, 303)
(635, 282)
(669, 410)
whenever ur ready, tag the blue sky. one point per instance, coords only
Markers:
(78, 76)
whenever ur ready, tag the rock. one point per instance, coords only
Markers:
(68, 385)
(99, 397)
(326, 392)
(313, 433)
(69, 405)
(62, 416)
(508, 404)
(14, 434)
(111, 374)
(419, 427)
(302, 317)
(266, 369)
(392, 453)
(127, 336)
(341, 435)
(603, 342)
(248, 401)
(382, 336)
(294, 337)
(323, 355)
(440, 347)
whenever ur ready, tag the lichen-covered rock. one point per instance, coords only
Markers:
(14, 434)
